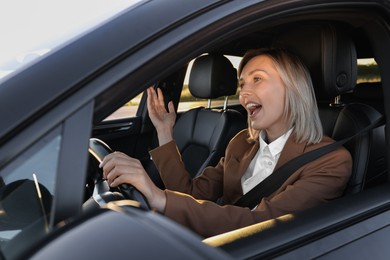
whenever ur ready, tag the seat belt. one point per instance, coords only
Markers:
(270, 184)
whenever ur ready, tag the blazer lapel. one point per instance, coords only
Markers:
(246, 159)
(291, 150)
(235, 169)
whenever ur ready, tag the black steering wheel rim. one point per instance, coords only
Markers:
(98, 150)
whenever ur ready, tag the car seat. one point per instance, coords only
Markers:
(371, 93)
(202, 134)
(330, 56)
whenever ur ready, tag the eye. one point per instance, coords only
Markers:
(240, 85)
(256, 79)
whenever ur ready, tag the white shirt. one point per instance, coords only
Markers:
(263, 163)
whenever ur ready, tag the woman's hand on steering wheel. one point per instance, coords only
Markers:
(119, 168)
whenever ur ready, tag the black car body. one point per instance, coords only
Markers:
(51, 108)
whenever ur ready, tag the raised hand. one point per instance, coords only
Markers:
(162, 119)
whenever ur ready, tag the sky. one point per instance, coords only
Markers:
(26, 24)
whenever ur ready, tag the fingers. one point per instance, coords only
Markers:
(160, 97)
(171, 108)
(152, 99)
(160, 117)
(155, 98)
(149, 99)
(118, 168)
(117, 177)
(117, 165)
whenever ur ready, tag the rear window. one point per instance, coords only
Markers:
(368, 71)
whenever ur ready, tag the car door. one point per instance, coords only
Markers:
(126, 128)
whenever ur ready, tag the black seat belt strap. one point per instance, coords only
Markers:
(279, 176)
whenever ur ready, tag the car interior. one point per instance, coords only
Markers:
(345, 107)
(330, 49)
(202, 133)
(330, 55)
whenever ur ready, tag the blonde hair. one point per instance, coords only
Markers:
(301, 108)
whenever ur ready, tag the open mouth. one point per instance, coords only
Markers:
(253, 108)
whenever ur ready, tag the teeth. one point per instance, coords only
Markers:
(251, 105)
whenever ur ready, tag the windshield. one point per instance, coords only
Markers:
(30, 29)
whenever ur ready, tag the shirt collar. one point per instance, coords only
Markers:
(276, 146)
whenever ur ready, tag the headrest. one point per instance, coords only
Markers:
(328, 53)
(212, 76)
(21, 204)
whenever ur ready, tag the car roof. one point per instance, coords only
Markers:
(107, 44)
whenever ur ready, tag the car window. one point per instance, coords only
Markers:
(187, 101)
(27, 34)
(368, 71)
(127, 110)
(27, 188)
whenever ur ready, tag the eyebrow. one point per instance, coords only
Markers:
(252, 72)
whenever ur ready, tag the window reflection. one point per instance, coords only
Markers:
(26, 193)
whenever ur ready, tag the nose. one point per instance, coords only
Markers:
(245, 91)
(244, 95)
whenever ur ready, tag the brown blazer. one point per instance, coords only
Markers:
(313, 184)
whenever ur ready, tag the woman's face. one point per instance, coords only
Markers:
(263, 94)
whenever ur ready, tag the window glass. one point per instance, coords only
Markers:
(187, 101)
(27, 34)
(26, 193)
(127, 110)
(368, 71)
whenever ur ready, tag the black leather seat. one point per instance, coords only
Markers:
(371, 93)
(330, 56)
(202, 134)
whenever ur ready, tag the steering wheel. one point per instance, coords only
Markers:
(98, 150)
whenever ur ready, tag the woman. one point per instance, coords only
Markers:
(283, 122)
